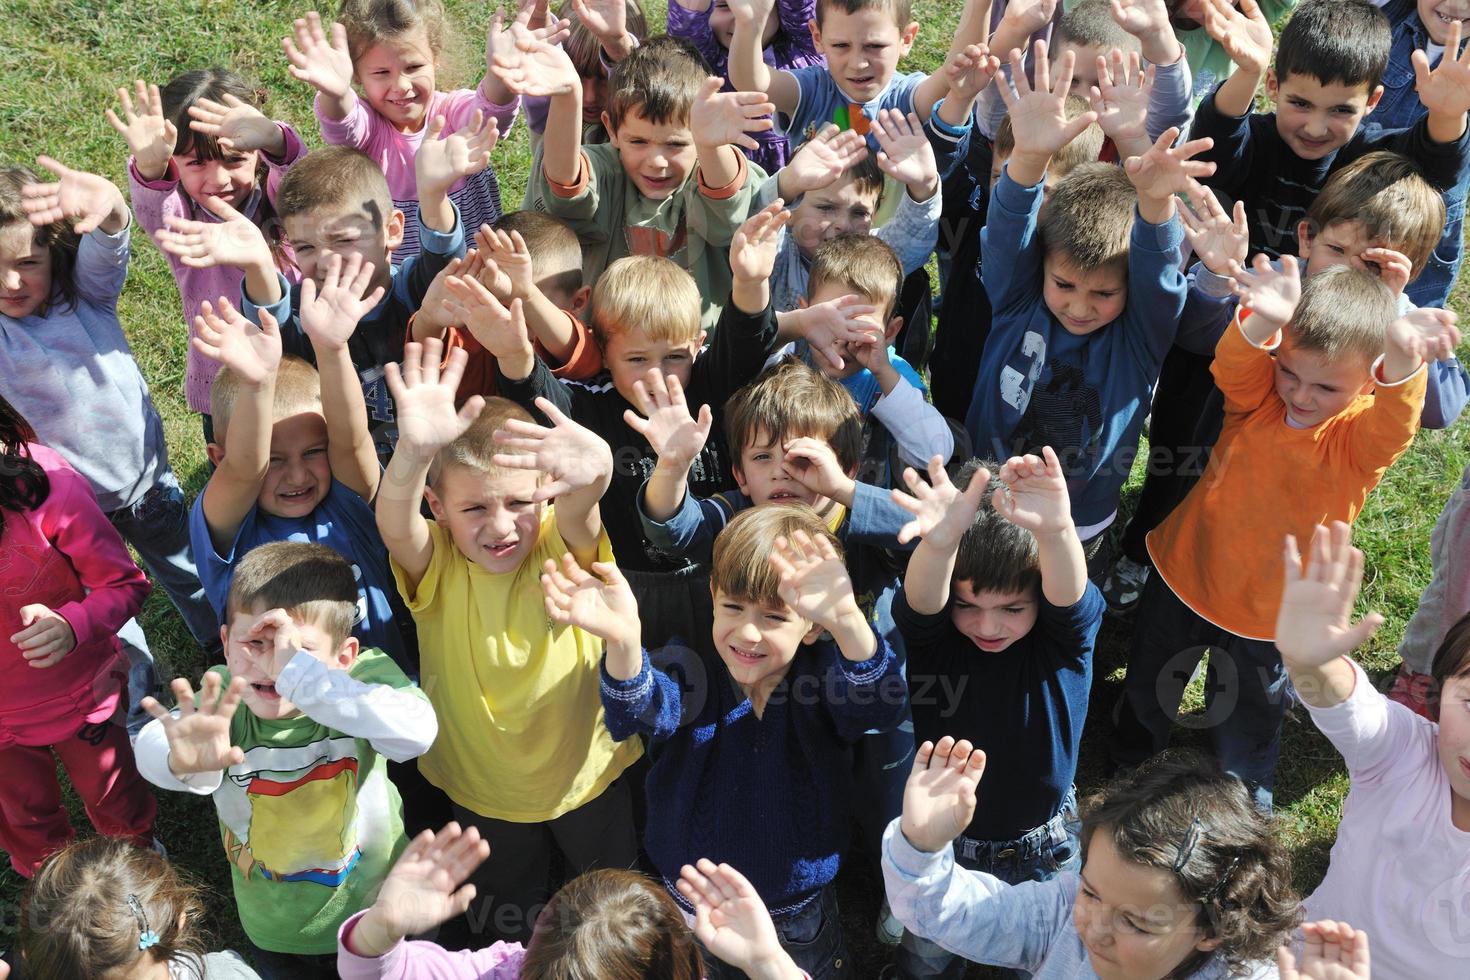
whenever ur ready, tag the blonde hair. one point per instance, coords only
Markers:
(1089, 217)
(475, 448)
(865, 264)
(791, 400)
(338, 179)
(310, 581)
(647, 294)
(1387, 196)
(1343, 312)
(741, 565)
(1083, 148)
(370, 22)
(297, 390)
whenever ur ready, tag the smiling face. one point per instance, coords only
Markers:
(1316, 118)
(230, 179)
(1315, 387)
(489, 514)
(1133, 918)
(993, 620)
(397, 78)
(862, 48)
(321, 232)
(1454, 745)
(757, 641)
(1438, 15)
(628, 356)
(300, 474)
(842, 208)
(658, 157)
(253, 657)
(25, 270)
(1083, 301)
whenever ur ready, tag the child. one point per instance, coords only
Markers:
(609, 923)
(309, 819)
(999, 622)
(1087, 294)
(199, 141)
(1399, 864)
(1315, 399)
(103, 908)
(750, 761)
(1180, 877)
(391, 48)
(498, 677)
(294, 460)
(669, 183)
(69, 585)
(786, 43)
(65, 362)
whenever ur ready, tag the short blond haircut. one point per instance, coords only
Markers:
(310, 581)
(1343, 312)
(1386, 194)
(864, 264)
(336, 180)
(791, 400)
(298, 389)
(647, 294)
(1083, 148)
(1089, 217)
(475, 449)
(741, 565)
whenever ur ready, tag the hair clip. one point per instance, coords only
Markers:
(1219, 884)
(146, 936)
(1188, 843)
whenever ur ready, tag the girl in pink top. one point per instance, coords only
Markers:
(203, 151)
(67, 584)
(608, 923)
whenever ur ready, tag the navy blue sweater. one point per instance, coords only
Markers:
(769, 795)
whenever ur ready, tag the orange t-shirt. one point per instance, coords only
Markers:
(1220, 550)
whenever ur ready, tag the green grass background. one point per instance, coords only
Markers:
(60, 63)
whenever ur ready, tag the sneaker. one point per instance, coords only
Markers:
(889, 930)
(1123, 584)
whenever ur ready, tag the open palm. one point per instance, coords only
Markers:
(1314, 625)
(600, 603)
(252, 351)
(199, 738)
(814, 579)
(330, 313)
(423, 391)
(426, 884)
(939, 799)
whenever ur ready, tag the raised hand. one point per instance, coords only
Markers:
(970, 70)
(423, 393)
(754, 247)
(942, 514)
(1120, 97)
(905, 153)
(439, 305)
(1030, 16)
(1033, 493)
(1333, 951)
(1140, 17)
(604, 18)
(821, 160)
(151, 138)
(501, 330)
(441, 162)
(572, 456)
(1039, 113)
(425, 887)
(252, 351)
(325, 65)
(199, 738)
(814, 580)
(1166, 169)
(533, 66)
(813, 464)
(939, 799)
(234, 240)
(511, 256)
(1221, 241)
(46, 636)
(76, 194)
(1393, 268)
(1244, 34)
(500, 39)
(237, 125)
(724, 118)
(600, 602)
(330, 313)
(837, 325)
(1424, 334)
(731, 921)
(1314, 625)
(1267, 293)
(1446, 89)
(673, 433)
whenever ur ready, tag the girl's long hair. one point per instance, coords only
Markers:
(23, 484)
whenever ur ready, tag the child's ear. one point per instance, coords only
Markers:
(580, 299)
(224, 634)
(816, 30)
(812, 635)
(907, 35)
(739, 475)
(346, 654)
(1272, 84)
(216, 454)
(1303, 238)
(436, 506)
(612, 131)
(395, 229)
(1372, 102)
(802, 303)
(1208, 945)
(891, 332)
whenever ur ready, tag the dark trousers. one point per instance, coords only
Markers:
(513, 885)
(1245, 690)
(813, 938)
(291, 966)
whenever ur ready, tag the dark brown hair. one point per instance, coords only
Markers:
(994, 554)
(1387, 196)
(58, 237)
(310, 581)
(790, 400)
(1451, 660)
(659, 81)
(23, 484)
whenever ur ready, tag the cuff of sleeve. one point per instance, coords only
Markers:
(294, 146)
(167, 182)
(584, 361)
(1380, 382)
(634, 689)
(576, 187)
(1210, 284)
(1014, 197)
(952, 133)
(1360, 684)
(867, 671)
(442, 242)
(730, 189)
(280, 309)
(77, 618)
(380, 965)
(1165, 237)
(1271, 343)
(903, 398)
(907, 859)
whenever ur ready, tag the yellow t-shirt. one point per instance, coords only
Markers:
(521, 730)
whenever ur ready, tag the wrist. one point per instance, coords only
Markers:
(852, 632)
(925, 188)
(372, 936)
(617, 46)
(1160, 47)
(917, 840)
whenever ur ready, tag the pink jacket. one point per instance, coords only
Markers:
(66, 555)
(154, 200)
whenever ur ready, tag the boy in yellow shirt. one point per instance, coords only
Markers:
(523, 752)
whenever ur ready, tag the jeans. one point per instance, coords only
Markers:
(813, 938)
(1037, 855)
(1246, 691)
(291, 966)
(157, 527)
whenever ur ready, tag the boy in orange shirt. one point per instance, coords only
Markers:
(1320, 399)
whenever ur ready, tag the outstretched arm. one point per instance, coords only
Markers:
(747, 65)
(1033, 495)
(942, 515)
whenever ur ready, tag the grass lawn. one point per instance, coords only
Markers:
(63, 58)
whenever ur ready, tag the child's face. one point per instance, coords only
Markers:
(230, 179)
(843, 208)
(863, 49)
(594, 98)
(1083, 301)
(1315, 387)
(489, 514)
(321, 232)
(629, 354)
(1315, 119)
(397, 78)
(1438, 15)
(251, 653)
(300, 473)
(1084, 70)
(658, 157)
(850, 365)
(1133, 919)
(722, 24)
(1340, 243)
(993, 620)
(1454, 739)
(763, 475)
(757, 642)
(25, 270)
